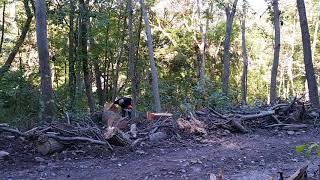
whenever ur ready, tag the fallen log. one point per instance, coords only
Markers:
(155, 116)
(292, 127)
(257, 116)
(49, 146)
(237, 125)
(116, 137)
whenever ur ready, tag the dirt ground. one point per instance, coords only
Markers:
(257, 155)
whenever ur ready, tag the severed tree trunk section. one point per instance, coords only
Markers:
(116, 137)
(49, 146)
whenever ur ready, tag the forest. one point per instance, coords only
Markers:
(196, 71)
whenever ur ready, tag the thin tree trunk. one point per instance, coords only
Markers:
(96, 68)
(137, 48)
(72, 75)
(47, 111)
(202, 46)
(154, 74)
(132, 60)
(20, 40)
(312, 83)
(84, 53)
(315, 34)
(226, 54)
(118, 61)
(244, 55)
(274, 71)
(2, 27)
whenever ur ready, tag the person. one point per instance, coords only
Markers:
(125, 104)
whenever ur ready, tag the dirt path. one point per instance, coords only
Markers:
(256, 155)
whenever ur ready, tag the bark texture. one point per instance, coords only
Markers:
(226, 55)
(154, 73)
(72, 75)
(312, 83)
(20, 40)
(132, 69)
(47, 111)
(244, 55)
(274, 70)
(84, 53)
(2, 27)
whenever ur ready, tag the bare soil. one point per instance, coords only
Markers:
(260, 154)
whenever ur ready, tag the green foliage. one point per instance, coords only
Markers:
(19, 103)
(308, 148)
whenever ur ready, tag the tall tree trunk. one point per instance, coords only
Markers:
(96, 68)
(132, 69)
(244, 55)
(118, 61)
(47, 111)
(203, 42)
(312, 83)
(154, 74)
(274, 71)
(84, 53)
(202, 46)
(72, 75)
(2, 27)
(315, 34)
(226, 47)
(20, 40)
(137, 49)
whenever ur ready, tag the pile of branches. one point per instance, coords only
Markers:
(55, 137)
(289, 116)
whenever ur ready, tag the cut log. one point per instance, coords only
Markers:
(133, 130)
(49, 147)
(192, 126)
(116, 137)
(237, 125)
(113, 119)
(155, 116)
(300, 174)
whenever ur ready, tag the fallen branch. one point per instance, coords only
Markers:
(81, 139)
(289, 126)
(300, 174)
(14, 131)
(217, 113)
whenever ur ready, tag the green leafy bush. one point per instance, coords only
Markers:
(308, 148)
(19, 104)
